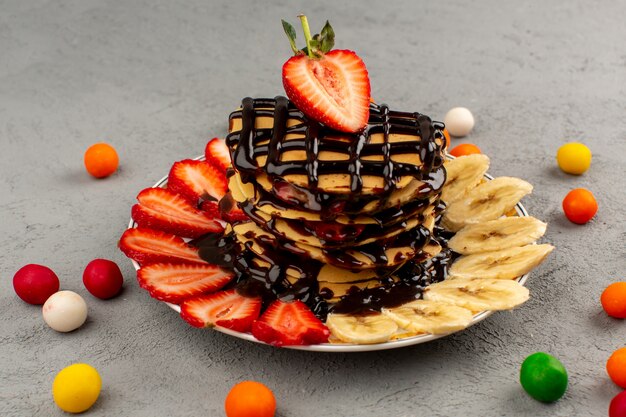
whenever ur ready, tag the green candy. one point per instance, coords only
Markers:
(543, 377)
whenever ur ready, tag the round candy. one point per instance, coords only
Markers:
(464, 149)
(613, 300)
(65, 311)
(35, 283)
(101, 160)
(574, 158)
(543, 377)
(616, 367)
(459, 121)
(617, 408)
(76, 388)
(580, 206)
(103, 278)
(250, 399)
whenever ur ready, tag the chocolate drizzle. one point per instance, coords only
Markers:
(250, 143)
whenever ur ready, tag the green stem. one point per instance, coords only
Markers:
(307, 34)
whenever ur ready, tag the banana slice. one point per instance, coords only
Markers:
(502, 264)
(463, 174)
(478, 294)
(422, 316)
(502, 233)
(488, 201)
(373, 328)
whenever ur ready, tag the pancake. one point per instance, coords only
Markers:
(384, 254)
(275, 136)
(271, 204)
(355, 235)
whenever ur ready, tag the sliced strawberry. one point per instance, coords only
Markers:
(211, 208)
(333, 89)
(235, 215)
(195, 179)
(336, 232)
(151, 246)
(289, 323)
(164, 210)
(226, 309)
(176, 282)
(217, 153)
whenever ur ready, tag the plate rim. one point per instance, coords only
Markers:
(346, 347)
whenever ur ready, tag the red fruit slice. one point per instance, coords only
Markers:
(216, 152)
(176, 282)
(211, 208)
(195, 179)
(333, 89)
(152, 246)
(225, 308)
(235, 215)
(335, 232)
(167, 211)
(289, 323)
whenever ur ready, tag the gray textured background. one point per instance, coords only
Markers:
(158, 78)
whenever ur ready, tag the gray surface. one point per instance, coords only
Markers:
(158, 78)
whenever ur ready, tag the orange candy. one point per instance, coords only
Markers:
(250, 399)
(616, 367)
(613, 300)
(446, 134)
(101, 160)
(580, 206)
(465, 149)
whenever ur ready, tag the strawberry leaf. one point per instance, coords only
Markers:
(327, 38)
(290, 31)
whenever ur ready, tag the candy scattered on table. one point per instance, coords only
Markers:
(103, 278)
(76, 388)
(101, 160)
(543, 377)
(250, 399)
(616, 367)
(465, 149)
(574, 158)
(580, 206)
(613, 300)
(65, 311)
(35, 283)
(459, 121)
(617, 408)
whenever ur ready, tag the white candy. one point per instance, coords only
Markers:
(65, 311)
(459, 122)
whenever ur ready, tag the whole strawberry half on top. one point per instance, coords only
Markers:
(331, 87)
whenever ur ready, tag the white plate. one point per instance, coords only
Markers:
(346, 347)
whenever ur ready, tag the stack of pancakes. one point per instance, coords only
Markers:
(343, 210)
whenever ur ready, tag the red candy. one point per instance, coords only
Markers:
(103, 278)
(617, 408)
(35, 283)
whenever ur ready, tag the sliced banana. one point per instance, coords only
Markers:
(422, 316)
(463, 174)
(502, 264)
(488, 201)
(368, 329)
(502, 233)
(478, 294)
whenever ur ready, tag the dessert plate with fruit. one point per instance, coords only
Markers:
(327, 222)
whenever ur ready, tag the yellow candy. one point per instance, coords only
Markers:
(76, 388)
(574, 158)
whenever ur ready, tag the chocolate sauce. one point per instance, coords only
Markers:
(414, 277)
(246, 146)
